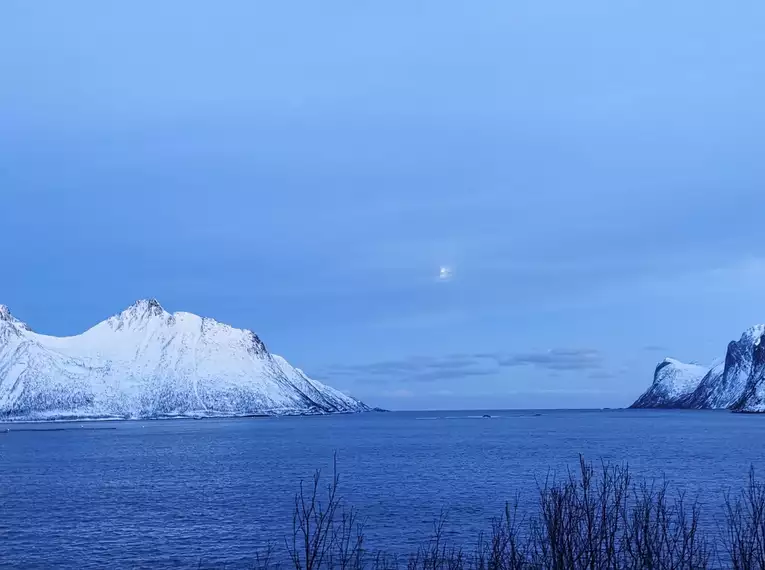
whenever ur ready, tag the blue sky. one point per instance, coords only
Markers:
(592, 172)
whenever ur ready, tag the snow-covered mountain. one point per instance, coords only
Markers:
(671, 381)
(736, 383)
(148, 363)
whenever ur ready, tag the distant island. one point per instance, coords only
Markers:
(737, 383)
(147, 363)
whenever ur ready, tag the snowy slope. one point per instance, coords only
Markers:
(671, 380)
(146, 362)
(735, 383)
(709, 391)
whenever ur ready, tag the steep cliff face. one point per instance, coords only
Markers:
(724, 390)
(732, 384)
(672, 381)
(753, 397)
(145, 362)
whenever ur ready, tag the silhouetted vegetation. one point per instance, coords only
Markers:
(593, 518)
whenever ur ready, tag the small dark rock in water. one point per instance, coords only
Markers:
(486, 416)
(379, 410)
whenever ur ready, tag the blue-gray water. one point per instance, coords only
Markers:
(172, 493)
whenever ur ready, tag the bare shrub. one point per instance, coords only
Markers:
(325, 534)
(593, 518)
(744, 530)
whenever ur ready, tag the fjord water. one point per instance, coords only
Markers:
(174, 493)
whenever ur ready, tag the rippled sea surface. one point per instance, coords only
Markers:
(179, 492)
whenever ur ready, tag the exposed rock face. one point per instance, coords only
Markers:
(146, 363)
(734, 384)
(753, 397)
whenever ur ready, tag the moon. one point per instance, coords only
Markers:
(445, 273)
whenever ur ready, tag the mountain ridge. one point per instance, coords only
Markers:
(737, 383)
(145, 362)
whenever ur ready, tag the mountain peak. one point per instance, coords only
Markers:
(149, 304)
(752, 334)
(139, 314)
(145, 307)
(6, 316)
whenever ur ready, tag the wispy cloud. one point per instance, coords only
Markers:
(399, 393)
(556, 359)
(446, 374)
(431, 369)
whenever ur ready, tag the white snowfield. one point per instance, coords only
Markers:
(148, 363)
(678, 378)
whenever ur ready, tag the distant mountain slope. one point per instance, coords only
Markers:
(736, 383)
(147, 363)
(672, 380)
